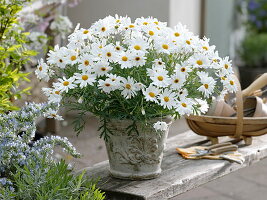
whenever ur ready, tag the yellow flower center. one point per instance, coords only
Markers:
(176, 81)
(184, 105)
(73, 58)
(199, 62)
(124, 58)
(152, 94)
(205, 48)
(103, 29)
(226, 66)
(157, 23)
(40, 68)
(214, 60)
(145, 23)
(232, 83)
(128, 86)
(118, 48)
(131, 26)
(160, 63)
(60, 60)
(118, 21)
(137, 47)
(183, 69)
(85, 31)
(57, 92)
(53, 115)
(107, 84)
(206, 86)
(160, 78)
(84, 77)
(103, 69)
(176, 34)
(188, 42)
(86, 62)
(166, 99)
(137, 58)
(165, 46)
(223, 78)
(66, 83)
(109, 54)
(151, 33)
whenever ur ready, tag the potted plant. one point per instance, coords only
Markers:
(253, 49)
(135, 76)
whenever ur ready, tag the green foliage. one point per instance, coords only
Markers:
(253, 50)
(13, 54)
(43, 181)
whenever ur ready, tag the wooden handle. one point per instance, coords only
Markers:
(256, 85)
(239, 110)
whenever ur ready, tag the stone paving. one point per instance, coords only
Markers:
(249, 183)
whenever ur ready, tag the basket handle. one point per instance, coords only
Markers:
(256, 85)
(239, 110)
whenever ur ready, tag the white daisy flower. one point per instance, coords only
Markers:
(128, 87)
(177, 80)
(160, 126)
(182, 93)
(184, 106)
(108, 53)
(161, 78)
(230, 84)
(199, 60)
(168, 99)
(124, 59)
(84, 79)
(52, 114)
(107, 85)
(118, 48)
(57, 57)
(207, 87)
(101, 68)
(42, 70)
(226, 66)
(115, 79)
(138, 44)
(182, 68)
(203, 105)
(71, 57)
(164, 45)
(138, 59)
(158, 63)
(86, 61)
(65, 84)
(151, 93)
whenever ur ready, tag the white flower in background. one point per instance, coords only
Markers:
(124, 59)
(118, 48)
(183, 68)
(84, 79)
(101, 68)
(179, 31)
(184, 106)
(199, 61)
(226, 66)
(230, 84)
(207, 87)
(182, 93)
(160, 126)
(42, 70)
(71, 57)
(177, 80)
(128, 87)
(57, 57)
(108, 53)
(54, 95)
(115, 79)
(52, 114)
(203, 105)
(161, 78)
(62, 25)
(168, 99)
(86, 62)
(151, 93)
(65, 84)
(138, 59)
(138, 44)
(38, 40)
(164, 45)
(158, 63)
(107, 85)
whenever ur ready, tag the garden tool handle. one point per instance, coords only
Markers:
(219, 145)
(223, 149)
(256, 85)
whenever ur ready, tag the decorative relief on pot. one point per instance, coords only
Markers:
(139, 150)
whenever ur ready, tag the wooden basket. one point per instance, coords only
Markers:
(239, 127)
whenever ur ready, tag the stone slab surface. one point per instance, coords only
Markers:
(178, 175)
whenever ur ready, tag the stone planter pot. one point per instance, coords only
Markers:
(133, 156)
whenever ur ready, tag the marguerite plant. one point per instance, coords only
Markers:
(137, 70)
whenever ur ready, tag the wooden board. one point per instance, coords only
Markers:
(178, 175)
